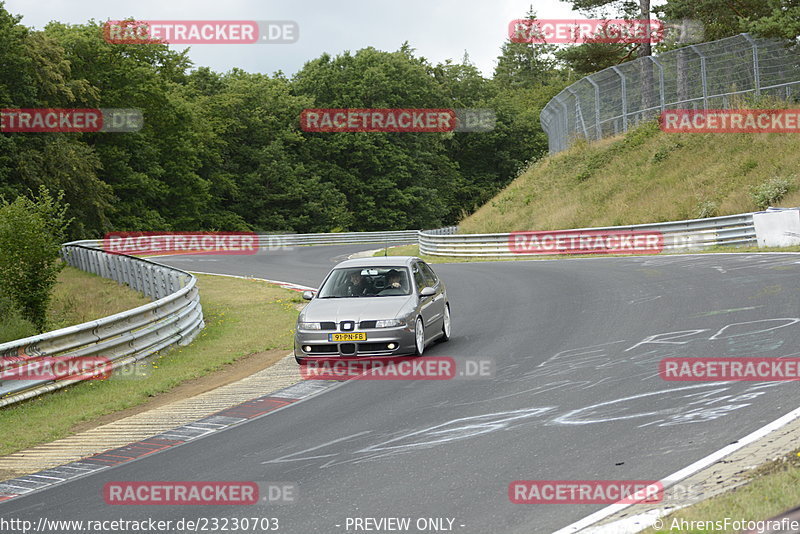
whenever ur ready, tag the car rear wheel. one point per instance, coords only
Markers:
(446, 323)
(419, 337)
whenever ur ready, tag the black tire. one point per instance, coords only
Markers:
(446, 330)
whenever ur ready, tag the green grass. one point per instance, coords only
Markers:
(773, 489)
(242, 317)
(646, 176)
(78, 297)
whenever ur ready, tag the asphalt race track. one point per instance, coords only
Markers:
(576, 395)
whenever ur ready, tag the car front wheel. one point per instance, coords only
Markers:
(446, 323)
(419, 336)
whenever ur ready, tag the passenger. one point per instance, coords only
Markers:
(358, 286)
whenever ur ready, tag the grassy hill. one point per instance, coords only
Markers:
(647, 176)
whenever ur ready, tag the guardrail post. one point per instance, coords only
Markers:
(126, 271)
(135, 275)
(79, 259)
(139, 277)
(164, 282)
(117, 261)
(105, 262)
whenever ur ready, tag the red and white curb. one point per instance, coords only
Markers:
(224, 419)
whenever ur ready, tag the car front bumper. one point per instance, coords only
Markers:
(376, 345)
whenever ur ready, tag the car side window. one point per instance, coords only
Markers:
(419, 278)
(430, 276)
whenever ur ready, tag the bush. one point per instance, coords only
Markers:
(12, 325)
(31, 232)
(707, 208)
(772, 191)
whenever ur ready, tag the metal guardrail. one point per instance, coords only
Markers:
(704, 76)
(175, 317)
(692, 234)
(447, 230)
(276, 241)
(401, 236)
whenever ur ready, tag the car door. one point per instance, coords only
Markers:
(437, 300)
(426, 305)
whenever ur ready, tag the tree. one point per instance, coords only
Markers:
(31, 233)
(783, 21)
(390, 180)
(35, 72)
(723, 18)
(622, 9)
(525, 65)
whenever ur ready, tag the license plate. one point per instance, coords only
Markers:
(349, 336)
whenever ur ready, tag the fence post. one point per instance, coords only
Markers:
(702, 75)
(578, 113)
(598, 129)
(660, 82)
(624, 99)
(756, 73)
(565, 123)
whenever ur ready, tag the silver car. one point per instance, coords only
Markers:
(374, 307)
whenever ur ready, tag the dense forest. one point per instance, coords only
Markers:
(225, 151)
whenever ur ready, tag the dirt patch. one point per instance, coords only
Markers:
(241, 368)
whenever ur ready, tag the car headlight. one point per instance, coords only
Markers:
(308, 326)
(389, 323)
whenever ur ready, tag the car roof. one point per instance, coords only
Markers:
(379, 261)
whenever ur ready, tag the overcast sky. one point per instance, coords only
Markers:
(437, 29)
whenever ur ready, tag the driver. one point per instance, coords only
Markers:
(393, 279)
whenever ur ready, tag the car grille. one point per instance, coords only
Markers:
(327, 325)
(367, 324)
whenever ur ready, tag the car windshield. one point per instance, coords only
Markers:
(356, 282)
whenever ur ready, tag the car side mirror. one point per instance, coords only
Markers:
(308, 295)
(427, 292)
